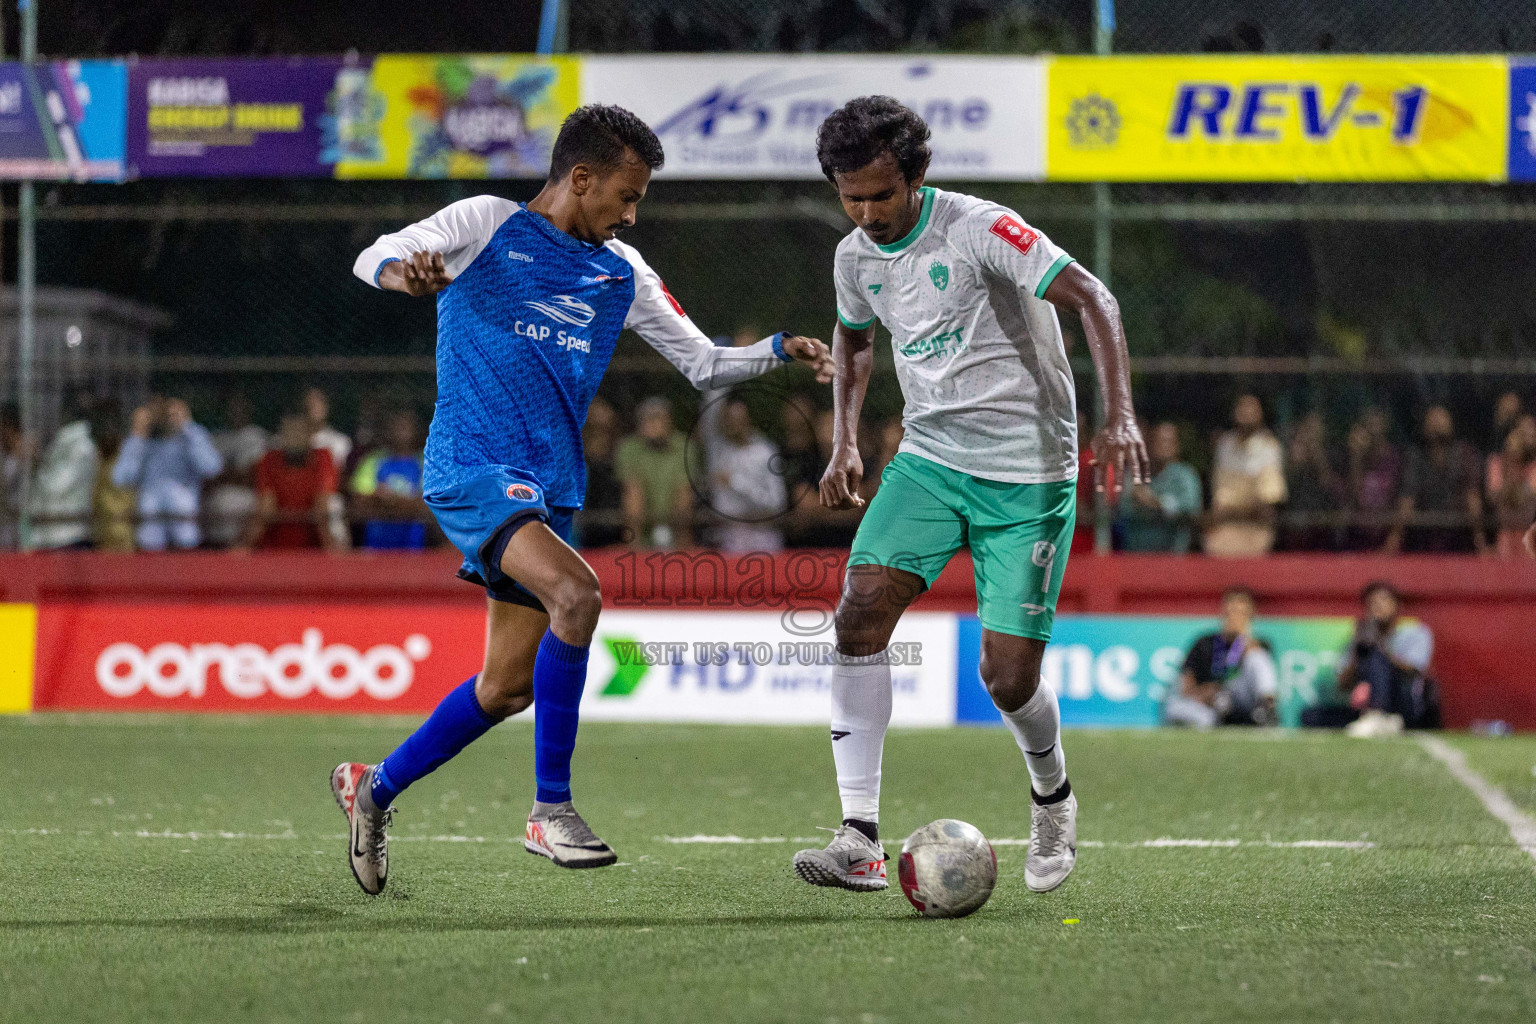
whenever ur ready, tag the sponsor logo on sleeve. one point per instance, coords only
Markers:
(675, 304)
(1015, 234)
(522, 492)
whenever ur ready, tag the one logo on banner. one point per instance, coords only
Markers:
(631, 668)
(1093, 122)
(1014, 233)
(249, 671)
(567, 309)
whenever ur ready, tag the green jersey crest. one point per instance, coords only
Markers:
(938, 273)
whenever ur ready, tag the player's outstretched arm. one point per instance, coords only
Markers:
(853, 354)
(658, 318)
(1118, 445)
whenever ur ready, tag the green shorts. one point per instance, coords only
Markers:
(1018, 534)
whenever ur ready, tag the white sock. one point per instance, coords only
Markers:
(1037, 728)
(861, 710)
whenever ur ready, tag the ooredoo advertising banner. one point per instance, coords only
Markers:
(62, 120)
(1277, 118)
(191, 657)
(756, 117)
(454, 115)
(257, 117)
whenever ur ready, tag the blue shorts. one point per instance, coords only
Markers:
(480, 516)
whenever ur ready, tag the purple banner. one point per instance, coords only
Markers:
(255, 117)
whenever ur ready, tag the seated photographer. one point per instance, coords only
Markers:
(1229, 677)
(1386, 668)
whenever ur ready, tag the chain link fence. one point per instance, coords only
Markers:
(1317, 298)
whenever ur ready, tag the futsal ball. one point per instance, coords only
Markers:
(947, 868)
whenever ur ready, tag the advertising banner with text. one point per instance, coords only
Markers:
(254, 117)
(756, 116)
(63, 120)
(1116, 670)
(645, 666)
(754, 667)
(1274, 118)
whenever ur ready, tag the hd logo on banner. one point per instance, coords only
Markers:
(754, 667)
(1277, 119)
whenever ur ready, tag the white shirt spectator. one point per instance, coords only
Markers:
(63, 487)
(747, 489)
(1247, 474)
(333, 441)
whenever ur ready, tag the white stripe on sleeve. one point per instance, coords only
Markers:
(459, 231)
(657, 317)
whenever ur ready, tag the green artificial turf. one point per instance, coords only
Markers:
(111, 910)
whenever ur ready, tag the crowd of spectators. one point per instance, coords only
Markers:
(1438, 492)
(169, 482)
(743, 476)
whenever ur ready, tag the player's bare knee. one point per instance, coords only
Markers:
(1010, 685)
(860, 631)
(502, 693)
(576, 603)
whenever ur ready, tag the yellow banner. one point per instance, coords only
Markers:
(456, 116)
(18, 639)
(1277, 119)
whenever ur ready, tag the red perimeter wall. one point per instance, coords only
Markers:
(1483, 613)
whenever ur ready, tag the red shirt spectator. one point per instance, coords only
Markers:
(296, 487)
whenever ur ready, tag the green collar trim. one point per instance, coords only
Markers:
(917, 229)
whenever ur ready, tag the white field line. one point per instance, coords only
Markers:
(1145, 844)
(1522, 829)
(694, 840)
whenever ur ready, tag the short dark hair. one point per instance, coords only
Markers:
(855, 134)
(597, 135)
(1383, 585)
(1239, 591)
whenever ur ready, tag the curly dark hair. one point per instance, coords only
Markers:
(597, 135)
(860, 130)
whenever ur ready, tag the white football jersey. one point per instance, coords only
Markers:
(978, 351)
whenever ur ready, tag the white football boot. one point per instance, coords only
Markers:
(851, 861)
(1052, 843)
(556, 831)
(1373, 724)
(367, 840)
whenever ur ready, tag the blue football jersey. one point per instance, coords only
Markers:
(525, 333)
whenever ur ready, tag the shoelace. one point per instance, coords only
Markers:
(374, 830)
(579, 831)
(844, 837)
(1048, 831)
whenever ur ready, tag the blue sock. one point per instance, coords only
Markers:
(559, 673)
(456, 722)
